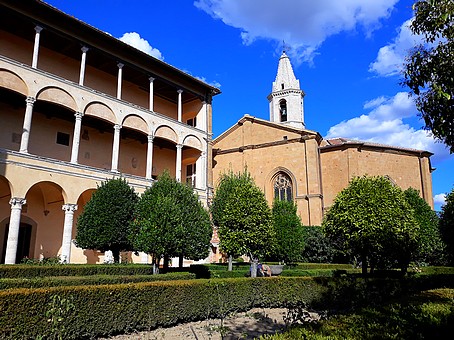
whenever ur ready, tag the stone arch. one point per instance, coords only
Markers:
(100, 110)
(166, 132)
(50, 191)
(192, 141)
(58, 96)
(13, 82)
(135, 122)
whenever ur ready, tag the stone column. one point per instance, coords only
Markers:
(178, 164)
(116, 148)
(27, 124)
(83, 61)
(76, 137)
(180, 105)
(38, 30)
(149, 170)
(200, 181)
(151, 106)
(13, 233)
(202, 117)
(119, 81)
(67, 232)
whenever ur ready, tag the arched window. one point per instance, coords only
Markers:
(283, 187)
(283, 110)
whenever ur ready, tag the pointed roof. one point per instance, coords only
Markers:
(285, 75)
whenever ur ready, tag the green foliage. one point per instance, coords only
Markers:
(430, 245)
(429, 68)
(32, 271)
(103, 224)
(105, 310)
(372, 220)
(317, 247)
(447, 224)
(171, 221)
(241, 213)
(58, 281)
(289, 232)
(428, 315)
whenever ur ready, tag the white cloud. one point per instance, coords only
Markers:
(440, 199)
(384, 124)
(391, 57)
(135, 40)
(303, 25)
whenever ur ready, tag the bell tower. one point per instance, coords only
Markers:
(286, 99)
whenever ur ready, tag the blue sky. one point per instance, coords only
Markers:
(346, 55)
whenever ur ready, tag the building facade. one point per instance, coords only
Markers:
(77, 107)
(289, 162)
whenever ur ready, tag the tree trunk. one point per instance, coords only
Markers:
(364, 265)
(230, 266)
(180, 261)
(254, 268)
(165, 265)
(116, 255)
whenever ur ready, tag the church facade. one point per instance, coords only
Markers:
(290, 162)
(77, 107)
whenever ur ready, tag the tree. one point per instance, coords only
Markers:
(447, 224)
(373, 221)
(430, 244)
(317, 247)
(429, 69)
(170, 221)
(289, 232)
(103, 225)
(243, 217)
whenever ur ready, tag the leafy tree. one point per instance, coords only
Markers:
(373, 221)
(447, 224)
(317, 247)
(170, 221)
(103, 225)
(289, 232)
(429, 69)
(242, 215)
(431, 247)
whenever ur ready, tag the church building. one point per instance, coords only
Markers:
(290, 162)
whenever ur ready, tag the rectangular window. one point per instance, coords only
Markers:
(63, 138)
(192, 122)
(190, 174)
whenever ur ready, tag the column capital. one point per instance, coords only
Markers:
(69, 207)
(30, 100)
(17, 202)
(84, 49)
(120, 65)
(117, 127)
(150, 138)
(78, 115)
(151, 79)
(179, 146)
(180, 91)
(38, 28)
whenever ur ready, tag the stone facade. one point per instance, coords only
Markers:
(77, 107)
(289, 162)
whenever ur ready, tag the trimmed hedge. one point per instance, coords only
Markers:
(427, 315)
(91, 311)
(56, 281)
(23, 270)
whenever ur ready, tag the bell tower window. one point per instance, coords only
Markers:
(283, 190)
(283, 110)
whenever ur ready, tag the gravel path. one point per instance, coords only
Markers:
(246, 325)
